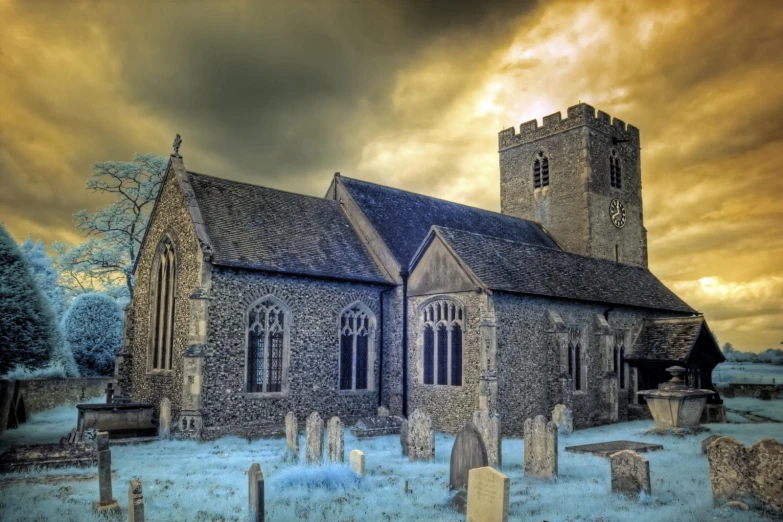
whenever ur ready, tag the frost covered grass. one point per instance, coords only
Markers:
(189, 481)
(770, 409)
(747, 373)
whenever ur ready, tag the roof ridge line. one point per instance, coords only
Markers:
(200, 174)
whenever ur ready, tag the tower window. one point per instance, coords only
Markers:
(540, 170)
(615, 170)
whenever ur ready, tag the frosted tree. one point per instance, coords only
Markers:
(41, 265)
(93, 329)
(105, 261)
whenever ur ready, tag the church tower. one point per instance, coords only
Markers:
(580, 177)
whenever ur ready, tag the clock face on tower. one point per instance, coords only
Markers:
(617, 213)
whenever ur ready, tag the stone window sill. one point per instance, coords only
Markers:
(159, 373)
(357, 392)
(580, 392)
(263, 395)
(443, 386)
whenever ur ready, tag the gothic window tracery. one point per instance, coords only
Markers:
(162, 320)
(540, 170)
(576, 359)
(615, 170)
(442, 326)
(357, 327)
(266, 345)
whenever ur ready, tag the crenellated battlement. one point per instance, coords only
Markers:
(576, 116)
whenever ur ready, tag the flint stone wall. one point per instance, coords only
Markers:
(44, 394)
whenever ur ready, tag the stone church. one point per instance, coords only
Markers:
(251, 302)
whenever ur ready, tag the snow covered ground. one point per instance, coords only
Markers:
(746, 373)
(769, 409)
(188, 481)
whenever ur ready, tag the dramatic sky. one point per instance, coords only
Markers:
(412, 94)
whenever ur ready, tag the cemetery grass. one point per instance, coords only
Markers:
(747, 373)
(189, 481)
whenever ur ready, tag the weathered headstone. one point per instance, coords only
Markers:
(739, 473)
(109, 393)
(488, 425)
(164, 426)
(374, 426)
(404, 437)
(315, 439)
(135, 501)
(706, 442)
(630, 473)
(540, 448)
(106, 501)
(292, 435)
(488, 492)
(383, 411)
(255, 493)
(563, 418)
(467, 453)
(421, 437)
(335, 440)
(357, 462)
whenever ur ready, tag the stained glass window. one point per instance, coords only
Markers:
(266, 346)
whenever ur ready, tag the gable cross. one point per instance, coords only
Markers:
(176, 145)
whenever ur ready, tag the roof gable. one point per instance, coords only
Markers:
(673, 340)
(436, 269)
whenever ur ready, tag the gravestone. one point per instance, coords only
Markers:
(383, 411)
(315, 439)
(357, 462)
(706, 442)
(404, 437)
(630, 473)
(255, 493)
(607, 449)
(728, 393)
(335, 432)
(488, 425)
(135, 501)
(467, 453)
(765, 395)
(488, 492)
(292, 435)
(739, 473)
(421, 437)
(105, 502)
(164, 427)
(109, 393)
(563, 418)
(374, 426)
(540, 448)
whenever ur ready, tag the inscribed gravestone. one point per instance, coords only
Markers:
(488, 425)
(357, 462)
(488, 492)
(335, 433)
(563, 418)
(630, 473)
(421, 437)
(135, 501)
(540, 448)
(315, 439)
(467, 453)
(164, 426)
(292, 434)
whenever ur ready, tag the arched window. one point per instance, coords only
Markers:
(162, 302)
(615, 170)
(540, 170)
(575, 362)
(618, 364)
(357, 335)
(267, 345)
(442, 326)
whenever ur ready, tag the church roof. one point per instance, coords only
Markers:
(403, 219)
(515, 266)
(265, 229)
(670, 339)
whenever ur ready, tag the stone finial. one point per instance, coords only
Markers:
(421, 437)
(315, 439)
(630, 473)
(176, 145)
(335, 433)
(540, 448)
(488, 425)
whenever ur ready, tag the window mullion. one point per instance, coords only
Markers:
(449, 349)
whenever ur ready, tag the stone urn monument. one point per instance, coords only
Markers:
(674, 406)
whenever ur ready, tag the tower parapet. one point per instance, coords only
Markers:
(576, 116)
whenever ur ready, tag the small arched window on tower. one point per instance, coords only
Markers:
(540, 170)
(442, 343)
(615, 170)
(162, 301)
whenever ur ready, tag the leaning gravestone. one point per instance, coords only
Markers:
(315, 439)
(164, 426)
(135, 501)
(467, 453)
(630, 473)
(404, 437)
(292, 434)
(540, 448)
(357, 462)
(106, 502)
(562, 416)
(487, 495)
(421, 437)
(335, 433)
(488, 424)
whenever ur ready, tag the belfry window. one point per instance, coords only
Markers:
(442, 343)
(540, 170)
(162, 299)
(357, 327)
(267, 343)
(615, 170)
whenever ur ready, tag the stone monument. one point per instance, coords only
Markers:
(630, 473)
(106, 502)
(488, 424)
(421, 437)
(357, 462)
(135, 501)
(292, 435)
(488, 492)
(315, 439)
(540, 448)
(335, 433)
(164, 425)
